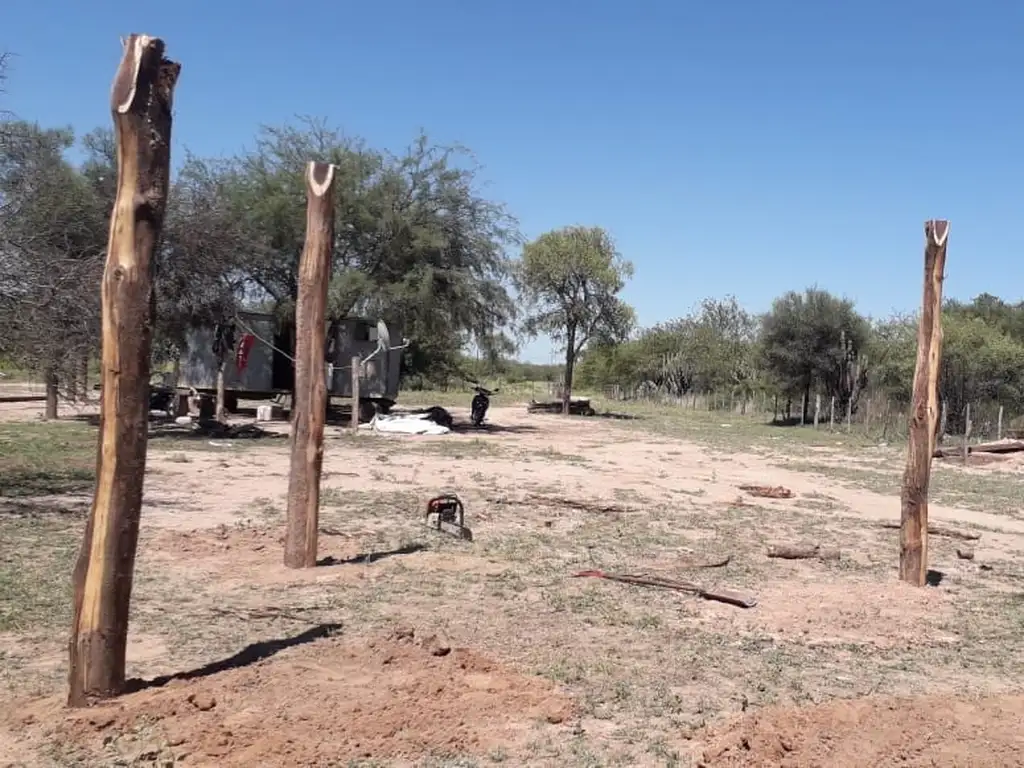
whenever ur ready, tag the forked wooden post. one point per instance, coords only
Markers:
(309, 406)
(141, 100)
(924, 411)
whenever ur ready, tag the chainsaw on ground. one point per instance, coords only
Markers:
(447, 514)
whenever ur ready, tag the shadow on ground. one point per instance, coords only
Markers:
(244, 658)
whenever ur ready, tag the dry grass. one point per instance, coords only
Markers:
(647, 668)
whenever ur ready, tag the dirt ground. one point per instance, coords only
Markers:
(406, 647)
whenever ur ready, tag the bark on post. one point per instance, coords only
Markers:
(141, 100)
(309, 404)
(924, 411)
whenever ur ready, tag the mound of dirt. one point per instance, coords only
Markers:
(330, 702)
(933, 731)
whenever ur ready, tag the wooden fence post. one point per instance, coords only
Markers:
(817, 409)
(924, 412)
(832, 415)
(141, 101)
(309, 407)
(967, 432)
(849, 414)
(356, 365)
(942, 421)
(999, 424)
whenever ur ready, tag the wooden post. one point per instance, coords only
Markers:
(924, 411)
(309, 406)
(967, 432)
(832, 415)
(357, 365)
(942, 421)
(141, 100)
(849, 414)
(999, 424)
(817, 409)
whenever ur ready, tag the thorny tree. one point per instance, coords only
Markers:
(570, 279)
(415, 243)
(53, 232)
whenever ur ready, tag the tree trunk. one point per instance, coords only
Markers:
(51, 395)
(924, 412)
(141, 101)
(309, 406)
(570, 363)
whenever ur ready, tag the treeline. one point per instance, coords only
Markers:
(416, 244)
(814, 343)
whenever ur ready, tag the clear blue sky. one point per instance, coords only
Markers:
(730, 147)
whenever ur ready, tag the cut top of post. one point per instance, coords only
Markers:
(320, 176)
(937, 230)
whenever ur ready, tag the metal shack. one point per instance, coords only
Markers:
(260, 365)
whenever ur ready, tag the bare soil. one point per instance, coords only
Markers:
(406, 647)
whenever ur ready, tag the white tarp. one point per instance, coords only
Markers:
(405, 424)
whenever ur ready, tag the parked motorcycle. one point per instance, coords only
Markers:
(481, 402)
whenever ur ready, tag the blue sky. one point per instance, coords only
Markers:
(730, 147)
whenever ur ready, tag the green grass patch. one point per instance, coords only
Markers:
(42, 459)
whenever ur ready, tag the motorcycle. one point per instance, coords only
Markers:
(481, 402)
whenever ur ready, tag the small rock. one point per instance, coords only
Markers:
(965, 553)
(436, 646)
(204, 702)
(101, 721)
(404, 633)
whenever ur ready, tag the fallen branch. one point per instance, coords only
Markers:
(803, 552)
(767, 491)
(1005, 446)
(941, 530)
(721, 563)
(563, 501)
(720, 595)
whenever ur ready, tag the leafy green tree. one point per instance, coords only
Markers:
(815, 339)
(53, 233)
(570, 280)
(415, 242)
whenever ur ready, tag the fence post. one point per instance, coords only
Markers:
(921, 442)
(141, 103)
(817, 408)
(967, 432)
(356, 370)
(999, 424)
(849, 415)
(832, 415)
(309, 408)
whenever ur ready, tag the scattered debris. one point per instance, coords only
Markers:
(803, 552)
(720, 563)
(449, 516)
(965, 553)
(940, 530)
(767, 491)
(643, 580)
(1002, 446)
(597, 507)
(436, 414)
(406, 424)
(578, 406)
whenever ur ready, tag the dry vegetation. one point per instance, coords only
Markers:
(406, 648)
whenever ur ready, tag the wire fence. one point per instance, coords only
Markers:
(874, 413)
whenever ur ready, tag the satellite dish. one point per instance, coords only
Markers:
(383, 336)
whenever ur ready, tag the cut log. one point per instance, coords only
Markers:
(941, 530)
(803, 552)
(1005, 446)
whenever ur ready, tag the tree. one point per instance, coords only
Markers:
(816, 339)
(415, 242)
(570, 279)
(53, 232)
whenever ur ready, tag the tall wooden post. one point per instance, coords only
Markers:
(141, 101)
(924, 411)
(309, 406)
(356, 365)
